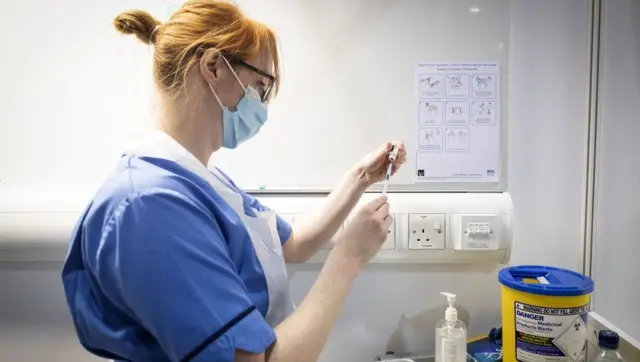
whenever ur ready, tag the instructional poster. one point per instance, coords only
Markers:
(458, 125)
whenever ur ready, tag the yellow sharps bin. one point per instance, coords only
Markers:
(544, 314)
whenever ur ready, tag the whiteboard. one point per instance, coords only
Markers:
(80, 93)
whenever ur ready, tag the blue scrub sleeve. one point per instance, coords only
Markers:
(174, 273)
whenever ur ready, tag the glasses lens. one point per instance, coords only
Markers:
(269, 79)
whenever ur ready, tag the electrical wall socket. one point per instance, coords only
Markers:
(427, 231)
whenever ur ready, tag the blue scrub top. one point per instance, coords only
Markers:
(161, 268)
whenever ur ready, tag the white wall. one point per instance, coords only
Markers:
(395, 307)
(547, 139)
(617, 245)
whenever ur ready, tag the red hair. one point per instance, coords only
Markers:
(197, 26)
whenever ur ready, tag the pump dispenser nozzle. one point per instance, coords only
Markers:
(451, 315)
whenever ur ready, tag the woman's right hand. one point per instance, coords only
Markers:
(366, 232)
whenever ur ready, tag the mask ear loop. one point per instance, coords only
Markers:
(215, 95)
(234, 73)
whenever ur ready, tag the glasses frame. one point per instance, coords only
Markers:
(272, 79)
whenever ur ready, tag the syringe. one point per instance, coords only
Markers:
(393, 153)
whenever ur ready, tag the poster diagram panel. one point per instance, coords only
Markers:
(457, 122)
(457, 113)
(430, 140)
(457, 139)
(457, 86)
(430, 113)
(430, 86)
(484, 85)
(483, 113)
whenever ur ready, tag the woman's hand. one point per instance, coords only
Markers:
(373, 167)
(366, 232)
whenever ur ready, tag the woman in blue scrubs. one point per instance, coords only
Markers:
(171, 261)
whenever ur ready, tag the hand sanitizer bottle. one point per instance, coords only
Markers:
(451, 335)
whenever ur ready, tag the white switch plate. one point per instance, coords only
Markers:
(477, 232)
(390, 242)
(427, 231)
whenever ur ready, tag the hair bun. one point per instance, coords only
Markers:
(138, 22)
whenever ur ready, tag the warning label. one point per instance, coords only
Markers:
(550, 334)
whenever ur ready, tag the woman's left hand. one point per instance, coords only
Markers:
(373, 167)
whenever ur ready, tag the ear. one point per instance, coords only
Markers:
(210, 64)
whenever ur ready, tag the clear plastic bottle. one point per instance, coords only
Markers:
(451, 335)
(609, 342)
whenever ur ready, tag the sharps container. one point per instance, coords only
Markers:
(544, 314)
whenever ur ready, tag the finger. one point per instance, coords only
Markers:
(395, 168)
(402, 154)
(376, 203)
(380, 155)
(388, 221)
(385, 149)
(402, 150)
(383, 211)
(400, 162)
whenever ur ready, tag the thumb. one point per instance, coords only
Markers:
(376, 203)
(378, 155)
(385, 148)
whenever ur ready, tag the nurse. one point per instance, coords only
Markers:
(171, 261)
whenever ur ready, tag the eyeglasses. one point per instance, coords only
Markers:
(264, 96)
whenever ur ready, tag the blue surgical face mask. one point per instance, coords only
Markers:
(246, 121)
